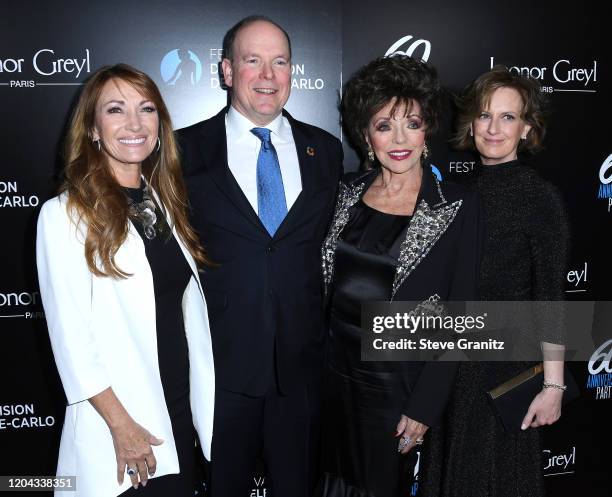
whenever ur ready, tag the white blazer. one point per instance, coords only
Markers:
(103, 334)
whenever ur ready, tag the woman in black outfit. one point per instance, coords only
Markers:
(118, 270)
(171, 274)
(501, 115)
(398, 233)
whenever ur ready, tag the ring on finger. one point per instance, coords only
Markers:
(419, 441)
(404, 442)
(131, 471)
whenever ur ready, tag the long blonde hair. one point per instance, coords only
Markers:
(96, 196)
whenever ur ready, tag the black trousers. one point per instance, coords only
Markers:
(283, 429)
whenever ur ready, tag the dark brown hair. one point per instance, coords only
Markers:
(381, 81)
(476, 96)
(94, 194)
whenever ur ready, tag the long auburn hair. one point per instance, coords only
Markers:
(95, 195)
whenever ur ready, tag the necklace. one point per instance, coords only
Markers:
(144, 211)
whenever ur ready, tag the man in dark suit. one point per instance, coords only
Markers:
(262, 189)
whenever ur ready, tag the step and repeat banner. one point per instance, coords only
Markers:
(571, 60)
(47, 50)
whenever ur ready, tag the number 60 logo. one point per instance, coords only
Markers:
(394, 49)
(605, 168)
(601, 355)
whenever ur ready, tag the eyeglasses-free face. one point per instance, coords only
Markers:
(499, 128)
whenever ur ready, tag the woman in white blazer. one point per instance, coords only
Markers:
(118, 272)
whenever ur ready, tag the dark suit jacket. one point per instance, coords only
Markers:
(447, 242)
(264, 294)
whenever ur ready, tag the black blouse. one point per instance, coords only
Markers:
(364, 266)
(171, 274)
(443, 259)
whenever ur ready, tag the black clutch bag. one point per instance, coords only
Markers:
(512, 399)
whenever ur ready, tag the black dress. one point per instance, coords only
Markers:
(524, 259)
(364, 400)
(369, 255)
(171, 274)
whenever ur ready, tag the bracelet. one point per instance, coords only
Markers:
(547, 384)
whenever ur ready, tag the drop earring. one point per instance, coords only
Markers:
(425, 153)
(371, 155)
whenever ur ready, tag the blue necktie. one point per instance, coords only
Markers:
(271, 203)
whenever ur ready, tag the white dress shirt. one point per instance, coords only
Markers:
(243, 150)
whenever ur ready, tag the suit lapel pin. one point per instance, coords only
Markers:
(310, 151)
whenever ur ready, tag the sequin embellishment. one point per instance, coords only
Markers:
(426, 227)
(347, 197)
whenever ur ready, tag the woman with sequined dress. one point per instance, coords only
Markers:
(398, 233)
(118, 271)
(501, 116)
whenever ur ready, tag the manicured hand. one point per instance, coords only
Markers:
(545, 409)
(133, 448)
(410, 433)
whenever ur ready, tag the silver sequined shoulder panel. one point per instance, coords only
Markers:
(426, 228)
(348, 195)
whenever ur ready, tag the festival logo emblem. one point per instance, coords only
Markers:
(411, 48)
(437, 172)
(600, 372)
(181, 67)
(605, 179)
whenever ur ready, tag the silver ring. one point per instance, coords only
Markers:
(404, 442)
(131, 471)
(419, 441)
